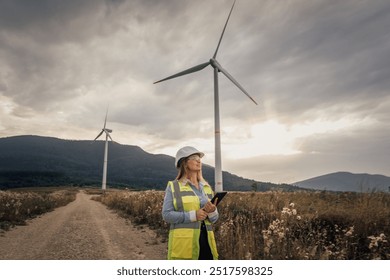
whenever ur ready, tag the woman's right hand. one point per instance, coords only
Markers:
(210, 207)
(201, 215)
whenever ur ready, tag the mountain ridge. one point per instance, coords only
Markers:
(347, 181)
(29, 160)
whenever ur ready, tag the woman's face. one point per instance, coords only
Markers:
(194, 163)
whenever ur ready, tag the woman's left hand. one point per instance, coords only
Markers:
(209, 207)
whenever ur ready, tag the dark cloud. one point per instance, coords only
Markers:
(321, 53)
(301, 60)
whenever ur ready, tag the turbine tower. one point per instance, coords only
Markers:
(107, 132)
(217, 68)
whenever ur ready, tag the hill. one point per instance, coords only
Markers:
(45, 161)
(346, 181)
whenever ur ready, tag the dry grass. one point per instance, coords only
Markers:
(306, 225)
(17, 206)
(277, 225)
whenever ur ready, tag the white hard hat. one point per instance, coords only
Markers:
(186, 152)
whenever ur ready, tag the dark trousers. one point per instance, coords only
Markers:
(205, 251)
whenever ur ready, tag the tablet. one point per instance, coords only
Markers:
(220, 195)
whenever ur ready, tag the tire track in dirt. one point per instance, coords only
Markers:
(82, 230)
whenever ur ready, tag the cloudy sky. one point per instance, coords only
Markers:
(319, 71)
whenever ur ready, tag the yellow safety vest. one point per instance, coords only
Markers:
(184, 238)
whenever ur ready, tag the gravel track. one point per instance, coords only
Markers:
(82, 230)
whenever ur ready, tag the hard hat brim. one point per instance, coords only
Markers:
(186, 152)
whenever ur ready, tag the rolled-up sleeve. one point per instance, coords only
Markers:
(213, 216)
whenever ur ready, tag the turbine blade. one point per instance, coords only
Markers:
(220, 39)
(105, 120)
(185, 72)
(101, 132)
(230, 77)
(109, 136)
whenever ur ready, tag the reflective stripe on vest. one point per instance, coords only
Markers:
(184, 238)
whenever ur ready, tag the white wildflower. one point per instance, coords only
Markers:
(350, 231)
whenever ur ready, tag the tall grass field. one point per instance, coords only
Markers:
(281, 225)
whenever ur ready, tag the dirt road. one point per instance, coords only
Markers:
(82, 230)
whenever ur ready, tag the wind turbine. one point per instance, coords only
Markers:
(217, 68)
(107, 132)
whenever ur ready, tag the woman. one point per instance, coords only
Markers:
(188, 209)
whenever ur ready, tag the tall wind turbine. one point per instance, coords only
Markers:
(107, 132)
(217, 68)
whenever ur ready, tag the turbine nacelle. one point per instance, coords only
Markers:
(215, 64)
(104, 130)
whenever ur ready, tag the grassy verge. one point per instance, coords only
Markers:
(17, 206)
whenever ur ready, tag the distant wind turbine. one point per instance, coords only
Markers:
(107, 132)
(217, 68)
